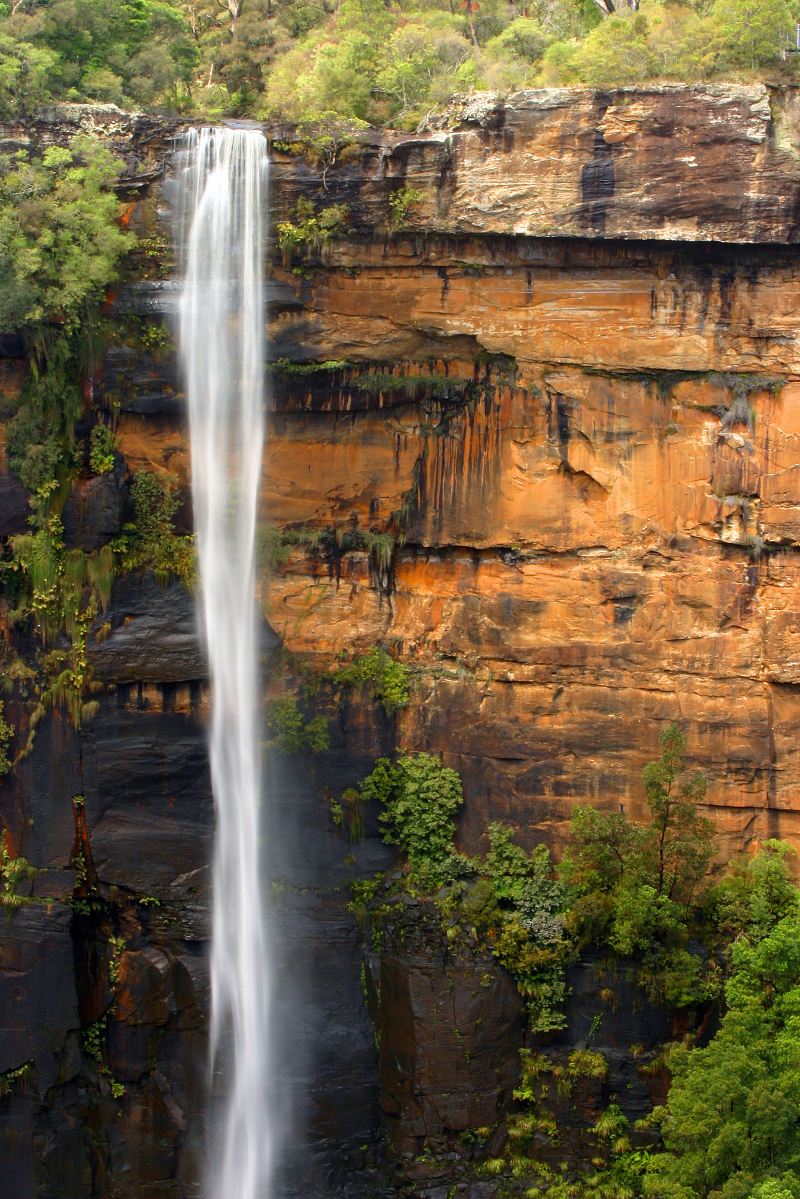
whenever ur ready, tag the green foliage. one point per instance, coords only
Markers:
(633, 888)
(730, 1121)
(117, 945)
(384, 679)
(524, 39)
(37, 451)
(615, 51)
(331, 68)
(521, 909)
(14, 873)
(311, 232)
(292, 733)
(55, 586)
(400, 200)
(28, 75)
(752, 32)
(9, 1077)
(678, 39)
(93, 1039)
(101, 449)
(6, 736)
(60, 244)
(122, 51)
(149, 540)
(59, 592)
(286, 367)
(756, 893)
(533, 1133)
(420, 798)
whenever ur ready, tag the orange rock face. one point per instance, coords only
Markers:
(593, 446)
(566, 395)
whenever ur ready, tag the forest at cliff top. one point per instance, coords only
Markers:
(386, 62)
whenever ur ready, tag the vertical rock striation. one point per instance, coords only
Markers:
(540, 439)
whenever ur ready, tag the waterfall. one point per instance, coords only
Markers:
(222, 180)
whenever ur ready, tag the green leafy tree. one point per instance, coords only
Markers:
(524, 39)
(616, 52)
(634, 887)
(28, 75)
(523, 921)
(680, 845)
(150, 540)
(756, 893)
(60, 246)
(730, 1122)
(753, 32)
(59, 239)
(420, 798)
(117, 50)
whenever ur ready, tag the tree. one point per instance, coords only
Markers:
(420, 798)
(754, 32)
(109, 49)
(681, 838)
(731, 1123)
(633, 887)
(616, 52)
(60, 246)
(28, 74)
(233, 9)
(756, 893)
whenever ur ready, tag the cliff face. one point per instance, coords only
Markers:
(538, 435)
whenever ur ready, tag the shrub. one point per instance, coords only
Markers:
(311, 232)
(150, 540)
(28, 75)
(633, 888)
(524, 39)
(420, 798)
(400, 200)
(729, 1123)
(60, 243)
(6, 735)
(292, 732)
(525, 924)
(757, 892)
(101, 449)
(385, 679)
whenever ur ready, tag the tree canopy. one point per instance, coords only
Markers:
(382, 61)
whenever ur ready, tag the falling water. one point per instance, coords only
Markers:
(222, 186)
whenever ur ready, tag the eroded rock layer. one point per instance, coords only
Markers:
(535, 430)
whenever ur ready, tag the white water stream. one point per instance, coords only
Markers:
(222, 211)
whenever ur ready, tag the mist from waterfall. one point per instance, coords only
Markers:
(222, 187)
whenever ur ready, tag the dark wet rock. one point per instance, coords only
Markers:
(14, 510)
(148, 795)
(153, 635)
(137, 384)
(449, 1022)
(39, 1025)
(92, 514)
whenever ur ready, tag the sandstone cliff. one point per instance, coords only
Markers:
(546, 429)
